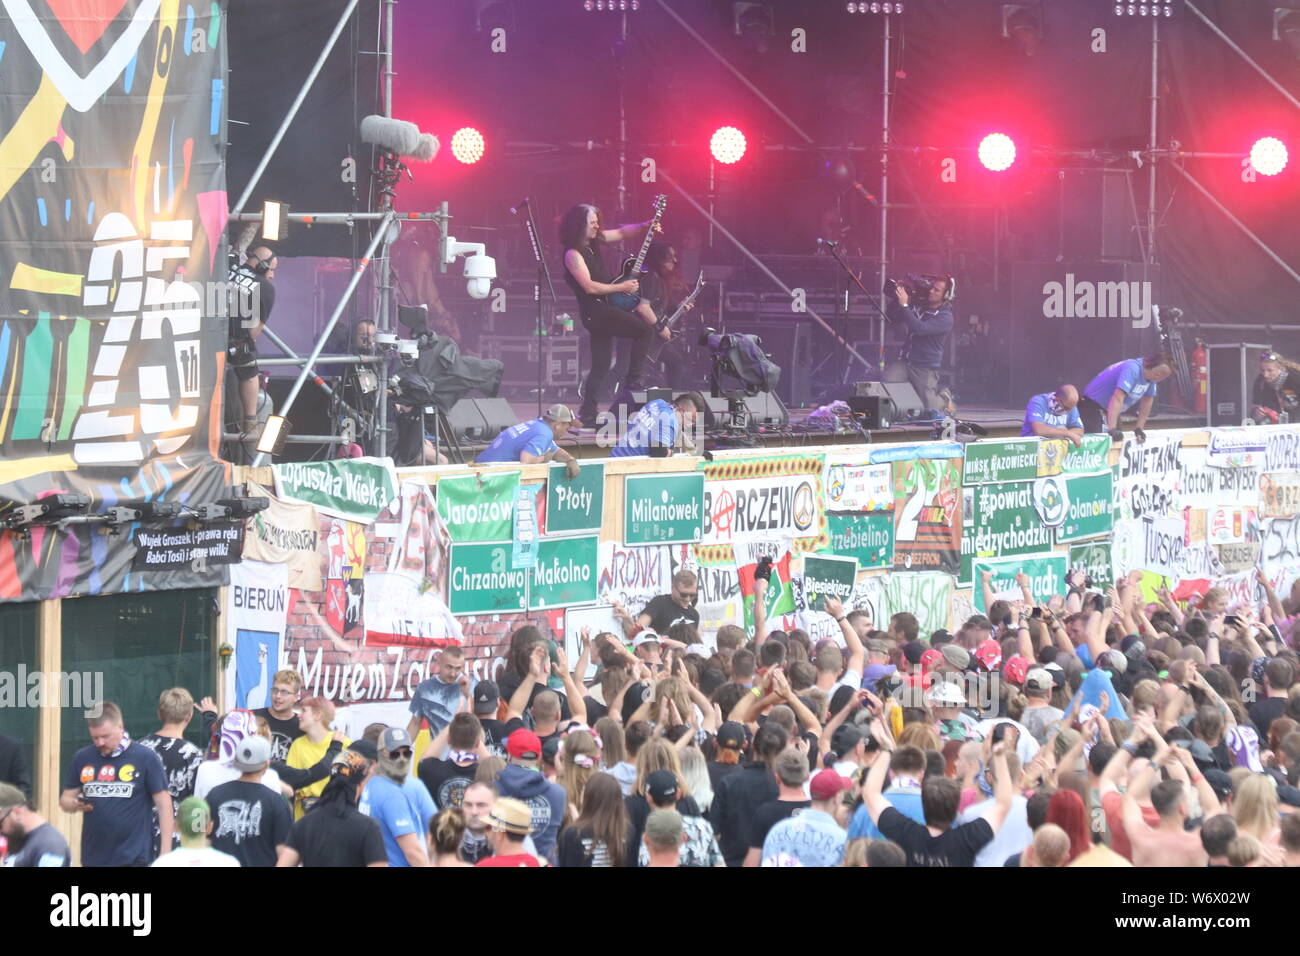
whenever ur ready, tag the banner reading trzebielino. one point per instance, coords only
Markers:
(112, 210)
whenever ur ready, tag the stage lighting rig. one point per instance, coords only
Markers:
(480, 268)
(1286, 28)
(50, 510)
(876, 8)
(1152, 8)
(613, 6)
(228, 509)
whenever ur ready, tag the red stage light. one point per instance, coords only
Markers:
(997, 152)
(467, 145)
(1268, 156)
(727, 145)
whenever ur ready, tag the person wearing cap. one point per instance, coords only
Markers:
(336, 833)
(533, 442)
(235, 727)
(194, 823)
(32, 841)
(947, 702)
(438, 697)
(1040, 715)
(730, 740)
(699, 848)
(510, 824)
(250, 822)
(399, 801)
(660, 426)
(119, 784)
(811, 837)
(487, 703)
(522, 780)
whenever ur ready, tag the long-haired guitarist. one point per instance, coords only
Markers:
(582, 237)
(663, 286)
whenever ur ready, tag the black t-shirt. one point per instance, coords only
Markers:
(1263, 713)
(577, 848)
(446, 781)
(180, 760)
(955, 847)
(44, 846)
(665, 612)
(719, 772)
(509, 683)
(249, 821)
(734, 805)
(769, 815)
(595, 710)
(327, 838)
(254, 298)
(496, 732)
(283, 732)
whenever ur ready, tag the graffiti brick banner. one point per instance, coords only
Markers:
(355, 489)
(927, 515)
(663, 509)
(479, 507)
(748, 499)
(853, 484)
(867, 537)
(112, 208)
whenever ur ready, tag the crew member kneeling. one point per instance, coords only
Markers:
(659, 427)
(533, 442)
(1120, 387)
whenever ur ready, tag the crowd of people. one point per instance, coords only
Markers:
(1094, 730)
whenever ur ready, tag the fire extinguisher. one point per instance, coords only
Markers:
(1200, 376)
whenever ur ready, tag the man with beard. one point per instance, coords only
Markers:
(477, 807)
(32, 841)
(335, 833)
(400, 802)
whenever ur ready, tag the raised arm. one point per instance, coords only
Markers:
(577, 706)
(873, 790)
(1003, 788)
(857, 656)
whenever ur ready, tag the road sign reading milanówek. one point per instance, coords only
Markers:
(663, 509)
(478, 507)
(566, 572)
(576, 504)
(483, 581)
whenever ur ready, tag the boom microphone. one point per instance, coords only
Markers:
(399, 136)
(866, 194)
(827, 242)
(514, 210)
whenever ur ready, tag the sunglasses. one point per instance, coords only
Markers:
(401, 752)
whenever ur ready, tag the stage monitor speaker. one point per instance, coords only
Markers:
(764, 409)
(906, 403)
(481, 419)
(878, 411)
(1232, 371)
(651, 394)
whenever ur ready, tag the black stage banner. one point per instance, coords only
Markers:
(112, 212)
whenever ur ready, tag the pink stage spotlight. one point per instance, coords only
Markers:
(1268, 156)
(997, 152)
(467, 145)
(727, 145)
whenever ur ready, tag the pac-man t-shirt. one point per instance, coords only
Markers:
(119, 830)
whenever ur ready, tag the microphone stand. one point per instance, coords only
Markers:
(543, 275)
(835, 254)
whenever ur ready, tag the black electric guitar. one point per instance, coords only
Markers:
(632, 264)
(657, 344)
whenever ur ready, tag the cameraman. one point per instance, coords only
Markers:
(929, 322)
(253, 297)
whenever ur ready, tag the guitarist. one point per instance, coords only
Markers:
(663, 287)
(1275, 390)
(582, 237)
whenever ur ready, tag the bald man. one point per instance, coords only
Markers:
(1055, 415)
(254, 299)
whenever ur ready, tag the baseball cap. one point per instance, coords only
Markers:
(989, 654)
(929, 659)
(523, 744)
(366, 748)
(913, 650)
(486, 696)
(731, 735)
(1016, 669)
(827, 785)
(1057, 672)
(192, 816)
(394, 738)
(1038, 679)
(661, 786)
(511, 815)
(874, 672)
(945, 694)
(956, 655)
(1115, 660)
(251, 754)
(645, 637)
(559, 413)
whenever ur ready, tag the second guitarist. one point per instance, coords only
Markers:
(585, 271)
(662, 285)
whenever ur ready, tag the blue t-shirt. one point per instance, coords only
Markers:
(399, 810)
(436, 702)
(534, 437)
(1125, 375)
(119, 831)
(906, 800)
(1040, 410)
(809, 838)
(654, 425)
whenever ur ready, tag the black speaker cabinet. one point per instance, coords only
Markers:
(1232, 373)
(877, 411)
(481, 419)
